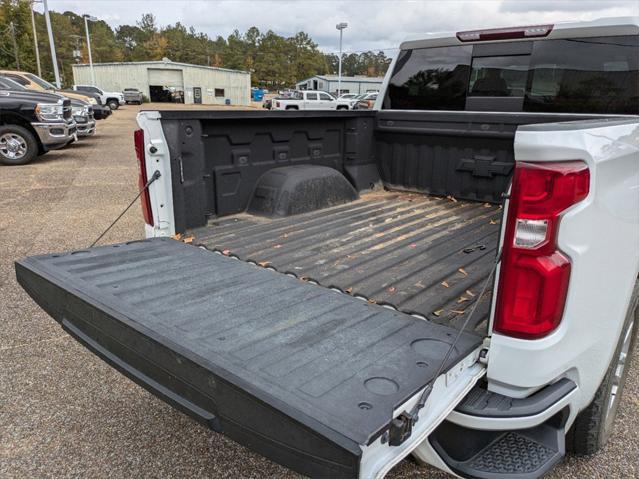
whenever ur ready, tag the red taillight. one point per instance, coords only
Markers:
(138, 139)
(534, 274)
(504, 33)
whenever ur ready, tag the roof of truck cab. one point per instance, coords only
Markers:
(612, 26)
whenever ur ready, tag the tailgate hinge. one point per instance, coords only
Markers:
(401, 427)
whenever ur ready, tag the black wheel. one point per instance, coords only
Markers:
(18, 146)
(594, 425)
(113, 104)
(292, 108)
(342, 108)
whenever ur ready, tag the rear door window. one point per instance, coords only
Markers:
(430, 79)
(585, 75)
(311, 96)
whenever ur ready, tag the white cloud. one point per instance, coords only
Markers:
(372, 24)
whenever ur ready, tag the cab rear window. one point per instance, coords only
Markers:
(586, 75)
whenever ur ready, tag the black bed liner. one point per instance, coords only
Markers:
(297, 372)
(420, 254)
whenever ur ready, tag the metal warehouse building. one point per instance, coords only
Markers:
(356, 84)
(170, 81)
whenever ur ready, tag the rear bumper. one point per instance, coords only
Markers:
(487, 411)
(55, 134)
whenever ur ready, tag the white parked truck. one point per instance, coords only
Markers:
(113, 99)
(452, 275)
(310, 100)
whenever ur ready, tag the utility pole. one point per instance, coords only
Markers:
(35, 37)
(86, 29)
(340, 27)
(54, 57)
(15, 45)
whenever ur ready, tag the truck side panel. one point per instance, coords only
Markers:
(600, 235)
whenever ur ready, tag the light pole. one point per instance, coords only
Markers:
(340, 26)
(35, 37)
(54, 58)
(88, 18)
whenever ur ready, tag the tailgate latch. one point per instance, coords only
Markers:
(400, 429)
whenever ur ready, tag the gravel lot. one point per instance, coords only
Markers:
(63, 412)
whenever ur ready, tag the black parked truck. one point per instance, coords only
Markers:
(32, 123)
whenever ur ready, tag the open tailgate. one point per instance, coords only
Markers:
(306, 376)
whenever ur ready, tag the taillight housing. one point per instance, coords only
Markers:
(534, 273)
(147, 213)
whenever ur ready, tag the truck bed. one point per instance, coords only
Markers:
(419, 254)
(299, 373)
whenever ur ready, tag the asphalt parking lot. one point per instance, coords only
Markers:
(65, 413)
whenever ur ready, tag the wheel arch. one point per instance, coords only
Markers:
(10, 118)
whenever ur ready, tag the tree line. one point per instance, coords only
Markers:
(274, 61)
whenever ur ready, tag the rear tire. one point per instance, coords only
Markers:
(292, 108)
(113, 104)
(18, 145)
(594, 425)
(342, 108)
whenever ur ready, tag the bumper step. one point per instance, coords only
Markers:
(521, 454)
(482, 403)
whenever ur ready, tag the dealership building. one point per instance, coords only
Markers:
(170, 81)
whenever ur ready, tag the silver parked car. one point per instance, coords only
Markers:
(132, 95)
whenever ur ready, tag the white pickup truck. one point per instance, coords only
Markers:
(452, 275)
(310, 100)
(113, 99)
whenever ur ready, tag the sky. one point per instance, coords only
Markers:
(372, 24)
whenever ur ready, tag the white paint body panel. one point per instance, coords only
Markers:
(594, 28)
(160, 191)
(601, 237)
